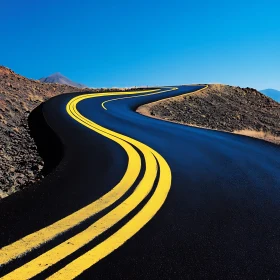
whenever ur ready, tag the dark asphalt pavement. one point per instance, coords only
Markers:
(221, 219)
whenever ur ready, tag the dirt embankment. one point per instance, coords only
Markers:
(220, 107)
(20, 162)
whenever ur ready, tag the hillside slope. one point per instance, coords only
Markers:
(233, 109)
(20, 163)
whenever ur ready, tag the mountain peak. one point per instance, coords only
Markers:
(58, 78)
(57, 74)
(272, 93)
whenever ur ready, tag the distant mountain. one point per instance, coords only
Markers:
(58, 78)
(272, 93)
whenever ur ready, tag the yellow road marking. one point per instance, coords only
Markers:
(61, 251)
(103, 103)
(36, 239)
(122, 235)
(76, 267)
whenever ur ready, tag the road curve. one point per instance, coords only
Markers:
(140, 198)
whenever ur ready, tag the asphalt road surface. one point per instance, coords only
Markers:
(139, 198)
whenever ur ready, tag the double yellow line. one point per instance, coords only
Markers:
(153, 161)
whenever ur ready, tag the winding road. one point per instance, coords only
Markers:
(139, 198)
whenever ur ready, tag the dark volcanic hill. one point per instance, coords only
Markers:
(272, 93)
(58, 78)
(20, 163)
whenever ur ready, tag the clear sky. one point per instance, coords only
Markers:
(149, 42)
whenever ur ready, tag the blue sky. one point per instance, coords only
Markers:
(130, 42)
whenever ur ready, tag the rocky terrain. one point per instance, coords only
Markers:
(20, 162)
(233, 109)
